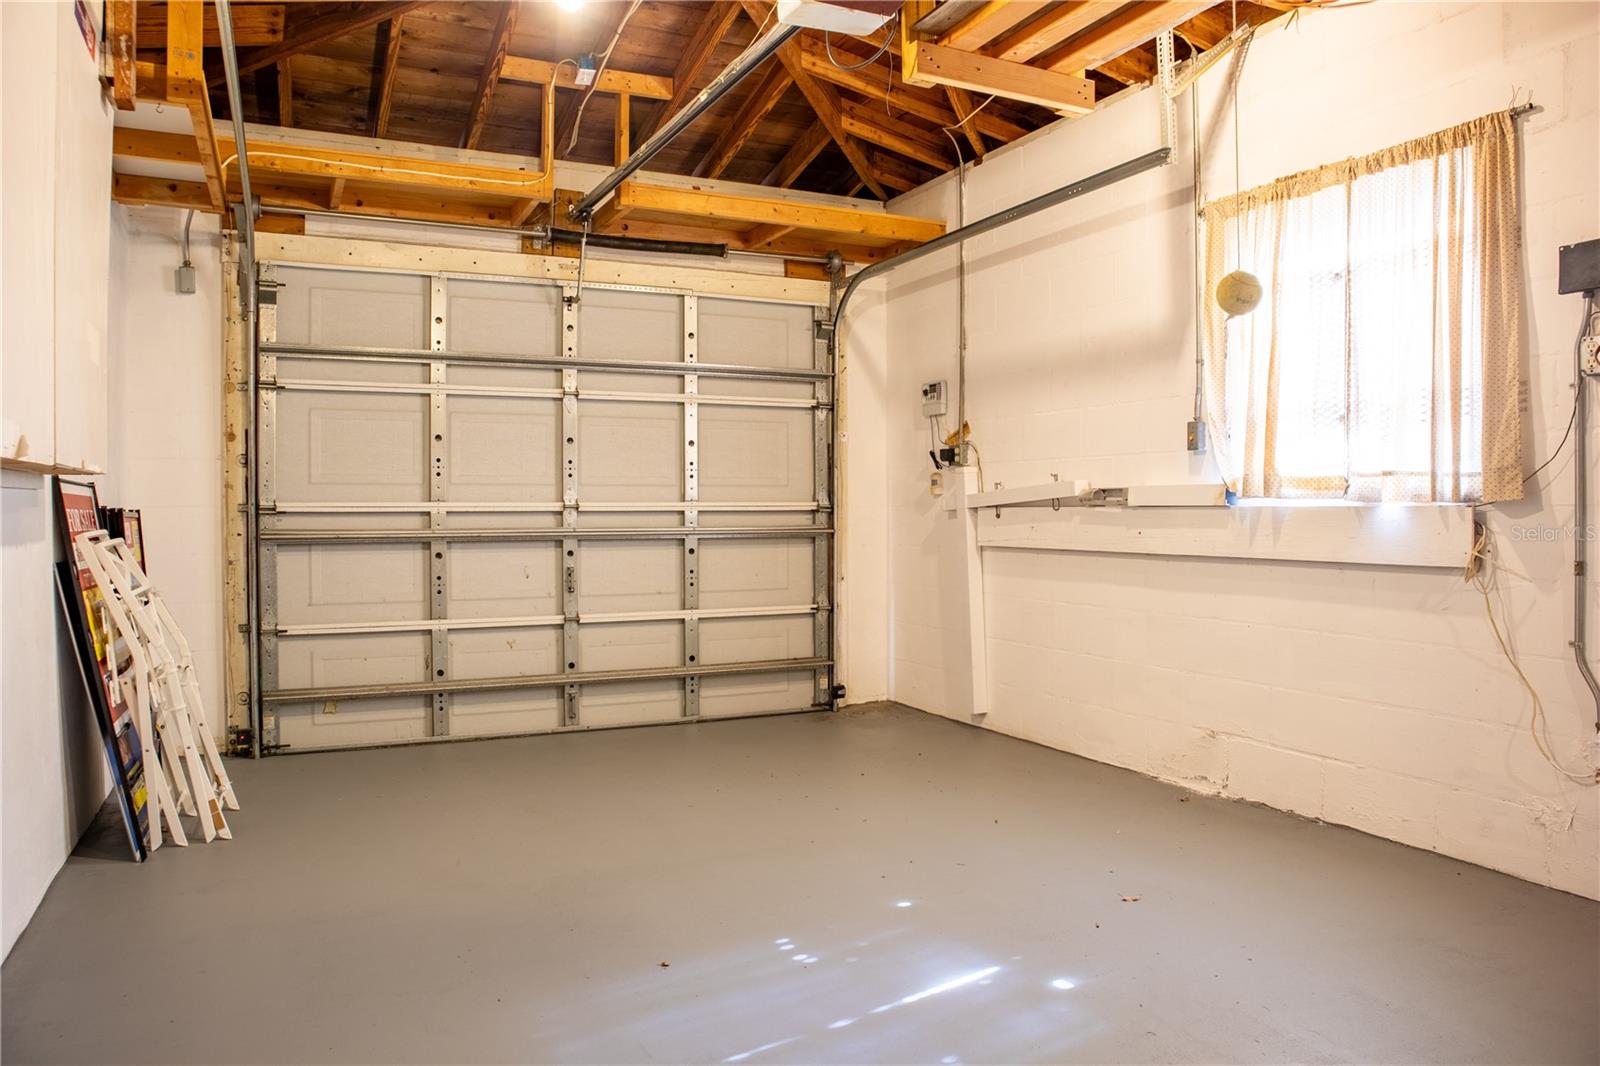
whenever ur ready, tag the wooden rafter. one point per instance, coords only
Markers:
(930, 64)
(800, 155)
(540, 71)
(325, 25)
(874, 81)
(391, 65)
(1125, 29)
(500, 39)
(962, 104)
(988, 21)
(869, 226)
(1050, 29)
(622, 129)
(757, 106)
(823, 100)
(253, 24)
(712, 29)
(914, 142)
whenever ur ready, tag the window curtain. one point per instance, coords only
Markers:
(1383, 362)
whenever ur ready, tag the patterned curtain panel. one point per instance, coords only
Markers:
(1383, 363)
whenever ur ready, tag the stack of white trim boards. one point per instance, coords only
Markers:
(187, 774)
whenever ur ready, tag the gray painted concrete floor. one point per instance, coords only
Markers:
(875, 886)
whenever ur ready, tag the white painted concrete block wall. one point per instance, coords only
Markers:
(166, 420)
(1371, 697)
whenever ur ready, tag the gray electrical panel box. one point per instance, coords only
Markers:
(1580, 267)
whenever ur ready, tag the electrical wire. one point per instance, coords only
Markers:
(599, 69)
(888, 39)
(1483, 576)
(1584, 330)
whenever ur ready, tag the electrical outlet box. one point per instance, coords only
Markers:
(1196, 436)
(183, 279)
(934, 402)
(1589, 352)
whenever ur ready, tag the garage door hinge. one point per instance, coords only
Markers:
(822, 329)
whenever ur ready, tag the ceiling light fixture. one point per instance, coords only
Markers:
(571, 5)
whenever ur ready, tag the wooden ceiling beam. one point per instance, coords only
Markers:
(800, 155)
(1125, 29)
(897, 173)
(138, 190)
(324, 25)
(1050, 29)
(712, 29)
(122, 42)
(762, 99)
(875, 81)
(635, 197)
(987, 22)
(186, 86)
(253, 24)
(1133, 67)
(395, 30)
(499, 40)
(823, 99)
(540, 71)
(897, 135)
(929, 64)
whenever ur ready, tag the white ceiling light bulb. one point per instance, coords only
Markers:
(570, 5)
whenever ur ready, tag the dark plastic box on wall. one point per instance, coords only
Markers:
(1580, 267)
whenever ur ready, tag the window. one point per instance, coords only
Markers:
(1383, 362)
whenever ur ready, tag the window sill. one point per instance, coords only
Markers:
(1340, 532)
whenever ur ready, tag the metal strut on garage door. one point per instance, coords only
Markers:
(488, 507)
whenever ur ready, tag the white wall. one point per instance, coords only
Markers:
(166, 420)
(55, 135)
(1371, 697)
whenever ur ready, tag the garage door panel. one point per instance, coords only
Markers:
(630, 575)
(745, 640)
(338, 660)
(507, 579)
(501, 317)
(630, 452)
(632, 703)
(617, 324)
(756, 334)
(418, 442)
(762, 572)
(755, 455)
(332, 583)
(502, 449)
(337, 307)
(523, 651)
(629, 646)
(341, 723)
(349, 447)
(732, 696)
(483, 714)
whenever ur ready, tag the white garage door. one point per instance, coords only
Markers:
(490, 507)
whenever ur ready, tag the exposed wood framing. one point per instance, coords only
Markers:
(875, 82)
(185, 84)
(987, 21)
(504, 24)
(799, 156)
(235, 580)
(621, 138)
(962, 104)
(871, 225)
(757, 106)
(823, 100)
(913, 142)
(931, 64)
(391, 65)
(286, 92)
(1050, 29)
(122, 42)
(253, 24)
(540, 71)
(1127, 28)
(325, 25)
(712, 29)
